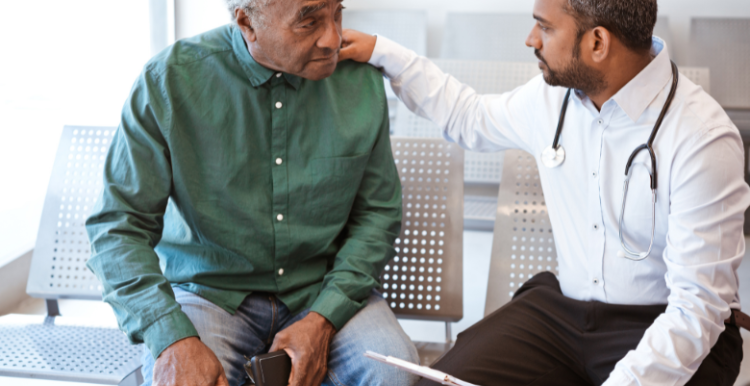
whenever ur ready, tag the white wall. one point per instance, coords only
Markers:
(196, 16)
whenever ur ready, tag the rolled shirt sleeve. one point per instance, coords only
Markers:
(128, 220)
(373, 225)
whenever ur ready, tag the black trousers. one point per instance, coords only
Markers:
(543, 338)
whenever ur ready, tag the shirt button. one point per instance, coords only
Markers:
(278, 75)
(596, 227)
(593, 174)
(600, 122)
(278, 161)
(279, 105)
(281, 271)
(280, 217)
(596, 281)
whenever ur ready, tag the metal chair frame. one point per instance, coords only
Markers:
(425, 279)
(52, 346)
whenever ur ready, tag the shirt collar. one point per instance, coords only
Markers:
(257, 74)
(641, 91)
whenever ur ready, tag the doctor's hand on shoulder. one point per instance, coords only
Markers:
(357, 46)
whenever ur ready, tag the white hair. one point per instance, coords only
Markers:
(251, 8)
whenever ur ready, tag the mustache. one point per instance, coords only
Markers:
(539, 55)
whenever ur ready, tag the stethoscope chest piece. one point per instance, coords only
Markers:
(552, 158)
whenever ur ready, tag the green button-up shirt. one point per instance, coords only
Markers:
(225, 178)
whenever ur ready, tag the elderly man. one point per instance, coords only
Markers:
(645, 299)
(250, 203)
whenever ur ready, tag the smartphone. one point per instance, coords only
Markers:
(272, 369)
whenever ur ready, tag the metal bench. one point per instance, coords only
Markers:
(62, 347)
(483, 171)
(523, 243)
(425, 279)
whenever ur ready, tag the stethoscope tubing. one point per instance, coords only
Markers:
(556, 148)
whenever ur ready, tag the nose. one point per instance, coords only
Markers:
(331, 39)
(533, 39)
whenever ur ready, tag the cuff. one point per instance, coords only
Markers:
(619, 378)
(168, 330)
(390, 56)
(335, 307)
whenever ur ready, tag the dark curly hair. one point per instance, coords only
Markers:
(631, 21)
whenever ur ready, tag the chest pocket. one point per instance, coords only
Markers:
(336, 182)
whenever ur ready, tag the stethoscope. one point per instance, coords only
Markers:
(554, 156)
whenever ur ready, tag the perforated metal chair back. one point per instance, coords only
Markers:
(408, 28)
(723, 46)
(488, 36)
(68, 348)
(58, 266)
(523, 243)
(486, 78)
(425, 279)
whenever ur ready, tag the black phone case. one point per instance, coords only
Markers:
(272, 369)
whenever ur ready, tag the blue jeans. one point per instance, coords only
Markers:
(250, 331)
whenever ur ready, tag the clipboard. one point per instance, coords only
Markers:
(423, 371)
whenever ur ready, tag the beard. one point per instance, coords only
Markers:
(575, 74)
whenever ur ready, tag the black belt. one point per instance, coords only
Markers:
(739, 319)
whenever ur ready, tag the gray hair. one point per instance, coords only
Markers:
(631, 21)
(251, 8)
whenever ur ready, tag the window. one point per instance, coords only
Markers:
(63, 63)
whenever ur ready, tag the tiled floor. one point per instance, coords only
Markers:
(477, 250)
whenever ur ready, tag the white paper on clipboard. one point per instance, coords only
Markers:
(422, 371)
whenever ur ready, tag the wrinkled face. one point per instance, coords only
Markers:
(557, 44)
(300, 37)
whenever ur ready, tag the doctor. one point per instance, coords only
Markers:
(643, 301)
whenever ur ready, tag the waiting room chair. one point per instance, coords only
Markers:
(425, 279)
(482, 171)
(62, 347)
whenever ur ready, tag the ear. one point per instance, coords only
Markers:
(246, 25)
(600, 44)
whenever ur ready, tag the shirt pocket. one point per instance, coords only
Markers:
(336, 181)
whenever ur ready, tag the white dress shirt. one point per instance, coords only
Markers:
(701, 194)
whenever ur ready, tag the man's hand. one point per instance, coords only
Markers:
(307, 343)
(357, 46)
(189, 362)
